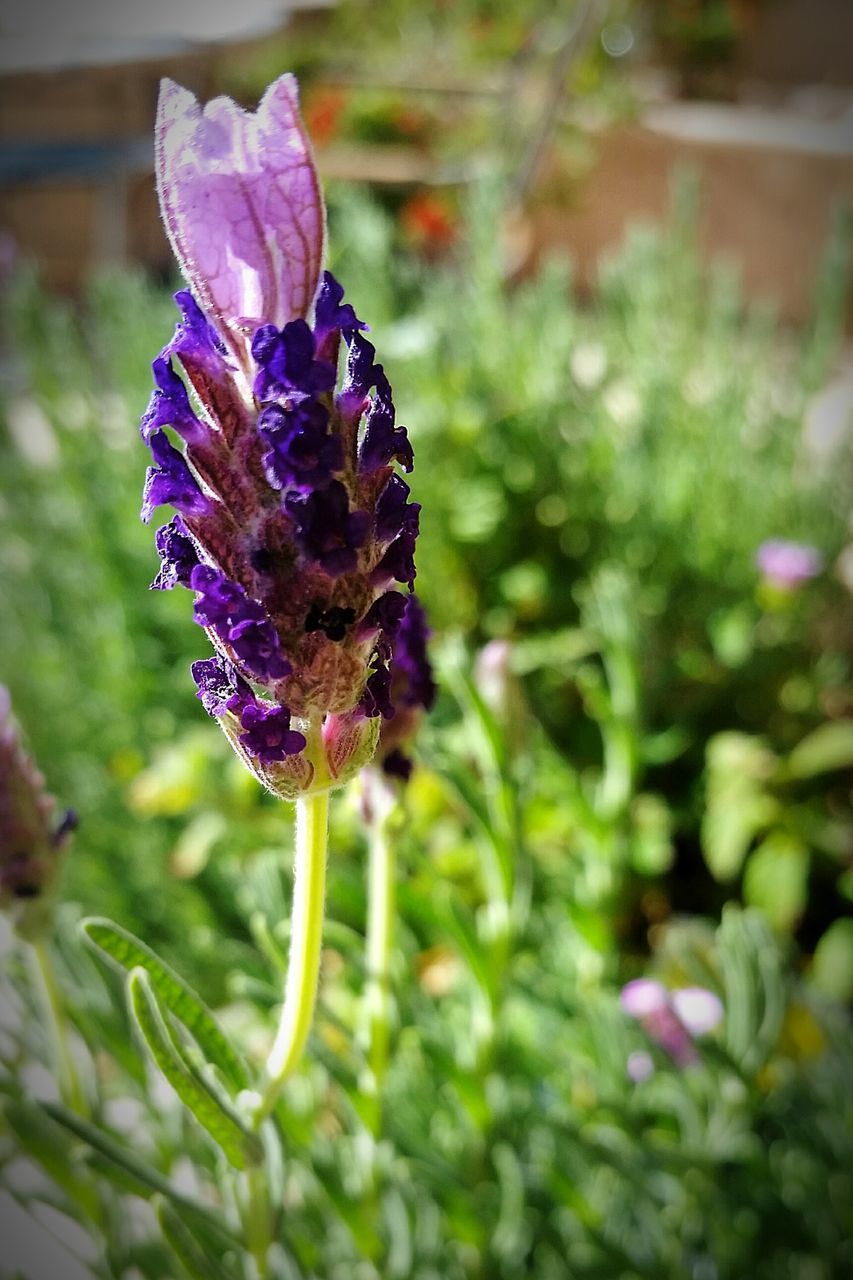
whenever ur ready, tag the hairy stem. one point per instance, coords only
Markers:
(66, 1069)
(381, 884)
(306, 936)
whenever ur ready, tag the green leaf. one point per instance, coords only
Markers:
(828, 747)
(738, 805)
(145, 1180)
(197, 1261)
(832, 966)
(776, 879)
(225, 1126)
(127, 952)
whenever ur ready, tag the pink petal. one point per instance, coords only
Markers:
(699, 1010)
(242, 206)
(643, 997)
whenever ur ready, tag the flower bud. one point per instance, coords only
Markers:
(32, 839)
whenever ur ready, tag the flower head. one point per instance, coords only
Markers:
(787, 565)
(670, 1019)
(32, 838)
(294, 529)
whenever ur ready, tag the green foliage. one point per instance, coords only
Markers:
(661, 738)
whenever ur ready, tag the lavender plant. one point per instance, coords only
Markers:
(293, 526)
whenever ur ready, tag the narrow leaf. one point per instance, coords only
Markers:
(197, 1261)
(145, 1179)
(128, 952)
(241, 1147)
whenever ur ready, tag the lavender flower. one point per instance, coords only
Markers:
(787, 565)
(410, 688)
(671, 1019)
(31, 837)
(294, 529)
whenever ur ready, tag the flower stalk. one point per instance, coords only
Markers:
(306, 938)
(381, 905)
(67, 1075)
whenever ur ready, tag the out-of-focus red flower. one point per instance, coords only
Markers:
(411, 122)
(323, 113)
(429, 222)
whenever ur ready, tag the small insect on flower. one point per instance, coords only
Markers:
(294, 527)
(32, 838)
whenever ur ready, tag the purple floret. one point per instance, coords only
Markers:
(411, 661)
(195, 337)
(329, 315)
(286, 363)
(300, 452)
(171, 481)
(255, 642)
(170, 406)
(361, 374)
(220, 686)
(385, 615)
(178, 556)
(268, 735)
(376, 699)
(239, 621)
(327, 532)
(383, 442)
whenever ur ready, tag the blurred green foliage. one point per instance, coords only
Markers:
(663, 734)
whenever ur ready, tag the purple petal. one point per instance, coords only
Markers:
(268, 735)
(220, 687)
(178, 556)
(170, 480)
(170, 406)
(241, 204)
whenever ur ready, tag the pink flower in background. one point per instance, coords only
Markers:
(671, 1019)
(787, 565)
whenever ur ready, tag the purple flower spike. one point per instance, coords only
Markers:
(293, 523)
(268, 735)
(300, 452)
(411, 664)
(412, 689)
(171, 481)
(170, 406)
(787, 565)
(329, 315)
(326, 530)
(383, 442)
(178, 556)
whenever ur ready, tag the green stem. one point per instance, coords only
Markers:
(66, 1068)
(306, 936)
(381, 886)
(257, 1224)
